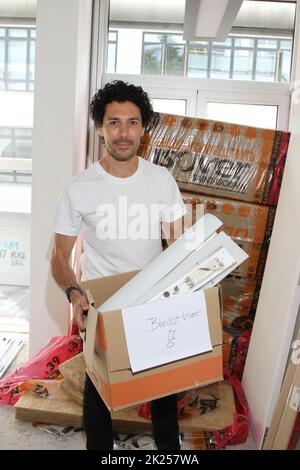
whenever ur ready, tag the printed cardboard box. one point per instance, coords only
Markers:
(249, 225)
(224, 159)
(107, 359)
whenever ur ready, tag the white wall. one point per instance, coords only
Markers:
(59, 140)
(280, 294)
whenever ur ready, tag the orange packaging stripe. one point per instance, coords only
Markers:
(100, 335)
(164, 383)
(100, 384)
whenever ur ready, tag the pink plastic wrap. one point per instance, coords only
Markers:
(43, 365)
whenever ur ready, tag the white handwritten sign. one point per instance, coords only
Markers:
(167, 330)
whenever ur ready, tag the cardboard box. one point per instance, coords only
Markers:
(249, 225)
(108, 363)
(210, 408)
(289, 415)
(283, 419)
(224, 159)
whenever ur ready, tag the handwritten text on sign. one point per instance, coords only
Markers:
(167, 330)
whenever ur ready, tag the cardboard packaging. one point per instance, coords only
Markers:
(210, 157)
(248, 225)
(108, 363)
(210, 408)
(45, 402)
(285, 413)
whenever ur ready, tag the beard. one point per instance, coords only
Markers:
(122, 154)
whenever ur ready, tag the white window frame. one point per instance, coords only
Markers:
(199, 92)
(162, 87)
(241, 92)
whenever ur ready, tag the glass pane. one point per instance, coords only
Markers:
(112, 36)
(17, 33)
(267, 43)
(33, 33)
(6, 177)
(2, 59)
(197, 62)
(6, 148)
(220, 63)
(265, 66)
(226, 43)
(5, 132)
(242, 65)
(244, 42)
(23, 133)
(16, 86)
(5, 144)
(174, 60)
(286, 58)
(32, 60)
(286, 44)
(244, 114)
(31, 86)
(2, 32)
(111, 58)
(17, 52)
(152, 59)
(24, 178)
(164, 105)
(154, 37)
(23, 148)
(175, 38)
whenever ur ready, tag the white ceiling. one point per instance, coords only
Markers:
(258, 14)
(18, 8)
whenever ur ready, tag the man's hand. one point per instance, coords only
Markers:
(81, 307)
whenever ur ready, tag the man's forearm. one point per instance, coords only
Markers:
(62, 272)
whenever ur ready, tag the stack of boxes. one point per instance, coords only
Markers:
(235, 173)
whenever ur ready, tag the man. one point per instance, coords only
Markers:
(100, 205)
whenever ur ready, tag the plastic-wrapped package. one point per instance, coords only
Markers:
(294, 443)
(43, 365)
(235, 348)
(235, 433)
(239, 301)
(223, 159)
(249, 225)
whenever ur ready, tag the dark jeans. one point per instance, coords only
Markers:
(98, 423)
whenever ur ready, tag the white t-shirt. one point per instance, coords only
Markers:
(119, 219)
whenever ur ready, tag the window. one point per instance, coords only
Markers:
(238, 58)
(17, 56)
(243, 64)
(169, 106)
(15, 143)
(197, 60)
(112, 52)
(244, 114)
(163, 54)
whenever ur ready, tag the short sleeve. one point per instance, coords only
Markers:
(68, 216)
(174, 207)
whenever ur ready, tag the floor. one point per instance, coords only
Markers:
(21, 435)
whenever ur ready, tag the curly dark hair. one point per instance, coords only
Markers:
(120, 91)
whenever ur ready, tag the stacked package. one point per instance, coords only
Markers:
(233, 172)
